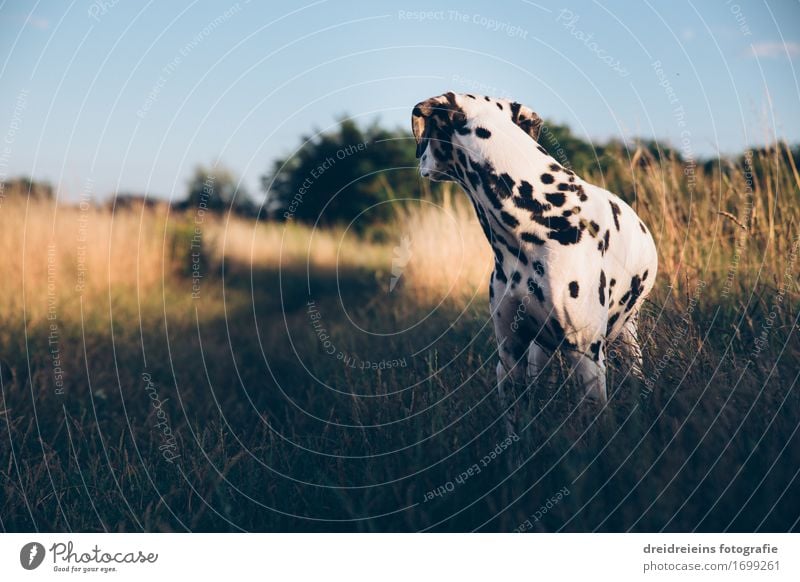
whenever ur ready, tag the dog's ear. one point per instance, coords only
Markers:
(420, 117)
(526, 120)
(455, 114)
(443, 111)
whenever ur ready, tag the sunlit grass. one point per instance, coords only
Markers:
(254, 394)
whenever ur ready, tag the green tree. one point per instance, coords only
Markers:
(337, 175)
(215, 188)
(569, 150)
(25, 187)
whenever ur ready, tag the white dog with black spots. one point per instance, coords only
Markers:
(573, 262)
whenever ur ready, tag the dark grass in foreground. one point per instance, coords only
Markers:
(273, 433)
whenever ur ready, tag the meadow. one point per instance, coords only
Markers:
(173, 371)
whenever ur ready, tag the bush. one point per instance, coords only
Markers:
(335, 176)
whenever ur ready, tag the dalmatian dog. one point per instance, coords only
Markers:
(572, 261)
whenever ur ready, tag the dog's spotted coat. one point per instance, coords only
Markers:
(573, 262)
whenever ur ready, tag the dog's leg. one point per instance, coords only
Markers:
(537, 360)
(509, 374)
(513, 337)
(628, 344)
(590, 374)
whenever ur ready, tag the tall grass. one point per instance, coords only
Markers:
(258, 402)
(734, 226)
(57, 253)
(450, 258)
(91, 251)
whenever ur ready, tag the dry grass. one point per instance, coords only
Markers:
(689, 211)
(260, 406)
(696, 217)
(91, 251)
(260, 245)
(450, 258)
(56, 253)
(706, 224)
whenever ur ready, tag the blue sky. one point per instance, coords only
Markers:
(131, 96)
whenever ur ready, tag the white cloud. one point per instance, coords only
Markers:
(40, 23)
(772, 50)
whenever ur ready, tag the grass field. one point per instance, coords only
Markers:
(289, 389)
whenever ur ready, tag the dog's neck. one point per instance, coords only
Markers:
(490, 177)
(522, 196)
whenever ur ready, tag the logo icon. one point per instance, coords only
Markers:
(31, 555)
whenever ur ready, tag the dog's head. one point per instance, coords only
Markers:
(445, 123)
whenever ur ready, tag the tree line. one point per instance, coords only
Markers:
(352, 173)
